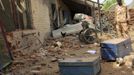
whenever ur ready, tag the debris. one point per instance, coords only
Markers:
(82, 46)
(36, 67)
(59, 44)
(35, 72)
(33, 56)
(57, 71)
(96, 44)
(43, 52)
(72, 54)
(18, 62)
(91, 51)
(43, 64)
(52, 55)
(116, 66)
(129, 61)
(69, 49)
(49, 66)
(54, 59)
(120, 61)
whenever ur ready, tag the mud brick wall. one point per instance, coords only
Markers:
(40, 17)
(41, 28)
(23, 40)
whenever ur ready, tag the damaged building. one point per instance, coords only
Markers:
(44, 37)
(26, 20)
(23, 21)
(27, 23)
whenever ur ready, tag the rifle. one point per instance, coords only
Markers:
(127, 18)
(127, 15)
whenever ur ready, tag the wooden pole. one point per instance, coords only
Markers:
(98, 1)
(5, 39)
(93, 13)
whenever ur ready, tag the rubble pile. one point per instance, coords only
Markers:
(111, 16)
(107, 22)
(25, 61)
(44, 61)
(37, 61)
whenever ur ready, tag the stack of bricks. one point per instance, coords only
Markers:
(131, 13)
(110, 15)
(107, 19)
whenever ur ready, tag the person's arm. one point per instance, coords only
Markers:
(127, 14)
(115, 14)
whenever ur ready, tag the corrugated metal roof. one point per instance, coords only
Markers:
(89, 2)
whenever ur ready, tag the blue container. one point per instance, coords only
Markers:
(80, 66)
(112, 49)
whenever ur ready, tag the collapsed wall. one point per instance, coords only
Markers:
(106, 20)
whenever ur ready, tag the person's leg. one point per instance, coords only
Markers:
(122, 30)
(125, 30)
(118, 29)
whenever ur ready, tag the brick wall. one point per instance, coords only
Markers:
(40, 15)
(41, 24)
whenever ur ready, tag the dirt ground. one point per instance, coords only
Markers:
(45, 60)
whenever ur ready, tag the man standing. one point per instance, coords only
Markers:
(121, 17)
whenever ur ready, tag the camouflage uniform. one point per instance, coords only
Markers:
(121, 19)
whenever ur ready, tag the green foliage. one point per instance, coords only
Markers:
(108, 4)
